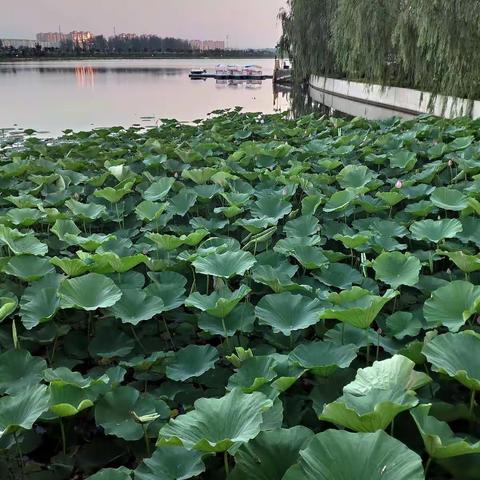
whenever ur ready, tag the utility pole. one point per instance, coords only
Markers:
(114, 31)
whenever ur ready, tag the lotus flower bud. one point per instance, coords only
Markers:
(399, 184)
(478, 320)
(450, 163)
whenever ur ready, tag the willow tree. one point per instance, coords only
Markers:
(306, 36)
(361, 38)
(438, 44)
(431, 45)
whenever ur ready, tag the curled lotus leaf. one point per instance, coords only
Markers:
(211, 427)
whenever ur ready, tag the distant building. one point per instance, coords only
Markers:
(204, 45)
(56, 37)
(127, 36)
(27, 43)
(80, 39)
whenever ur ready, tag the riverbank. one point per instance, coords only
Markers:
(166, 56)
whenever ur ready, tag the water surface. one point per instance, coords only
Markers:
(82, 94)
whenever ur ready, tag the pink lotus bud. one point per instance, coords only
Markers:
(478, 320)
(379, 331)
(450, 163)
(399, 184)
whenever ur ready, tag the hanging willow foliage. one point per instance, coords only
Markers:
(431, 45)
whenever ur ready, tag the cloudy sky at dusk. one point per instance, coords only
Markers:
(249, 23)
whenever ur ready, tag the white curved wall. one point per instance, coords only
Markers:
(375, 101)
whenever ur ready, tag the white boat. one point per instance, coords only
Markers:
(252, 71)
(221, 71)
(198, 71)
(235, 70)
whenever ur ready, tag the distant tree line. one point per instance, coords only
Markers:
(122, 46)
(430, 45)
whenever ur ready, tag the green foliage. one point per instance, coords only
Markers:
(230, 290)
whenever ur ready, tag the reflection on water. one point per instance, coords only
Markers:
(85, 76)
(55, 95)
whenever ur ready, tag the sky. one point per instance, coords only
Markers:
(248, 23)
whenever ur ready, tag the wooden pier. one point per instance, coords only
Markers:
(201, 76)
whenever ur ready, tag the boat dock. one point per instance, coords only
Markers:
(200, 76)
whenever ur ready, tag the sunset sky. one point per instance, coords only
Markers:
(249, 23)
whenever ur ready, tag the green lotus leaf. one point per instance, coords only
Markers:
(390, 198)
(22, 410)
(173, 463)
(460, 143)
(73, 267)
(89, 292)
(439, 439)
(456, 355)
(22, 243)
(148, 210)
(7, 306)
(23, 200)
(449, 199)
(377, 395)
(466, 263)
(40, 301)
(286, 312)
(311, 258)
(85, 211)
(181, 203)
(278, 276)
(136, 306)
(159, 189)
(114, 194)
(19, 371)
(355, 176)
(272, 207)
(240, 319)
(120, 473)
(211, 427)
(403, 324)
(435, 230)
(90, 243)
(191, 361)
(452, 305)
(24, 216)
(396, 269)
(62, 227)
(253, 374)
(303, 226)
(357, 306)
(270, 454)
(353, 241)
(338, 275)
(114, 412)
(65, 376)
(110, 342)
(219, 303)
(403, 159)
(169, 286)
(225, 265)
(370, 456)
(323, 358)
(68, 400)
(171, 242)
(339, 201)
(28, 267)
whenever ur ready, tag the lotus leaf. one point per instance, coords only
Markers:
(192, 361)
(286, 312)
(210, 427)
(114, 412)
(370, 456)
(173, 463)
(89, 292)
(396, 269)
(377, 395)
(435, 230)
(456, 355)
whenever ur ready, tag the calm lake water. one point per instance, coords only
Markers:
(83, 94)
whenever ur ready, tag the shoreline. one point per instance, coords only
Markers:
(132, 57)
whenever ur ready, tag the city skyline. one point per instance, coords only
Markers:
(187, 19)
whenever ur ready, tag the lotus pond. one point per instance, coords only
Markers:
(245, 297)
